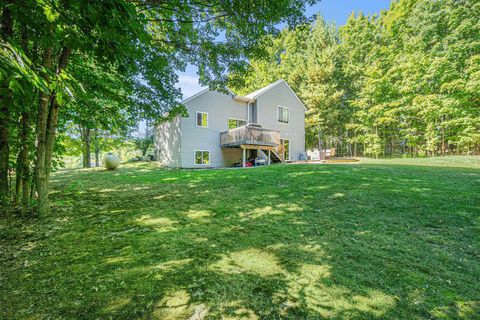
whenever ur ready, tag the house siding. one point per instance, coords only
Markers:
(219, 107)
(168, 143)
(267, 117)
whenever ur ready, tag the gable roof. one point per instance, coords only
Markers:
(251, 96)
(255, 94)
(195, 95)
(261, 91)
(230, 92)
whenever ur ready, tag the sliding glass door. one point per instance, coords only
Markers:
(285, 143)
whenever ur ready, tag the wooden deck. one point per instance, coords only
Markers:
(250, 137)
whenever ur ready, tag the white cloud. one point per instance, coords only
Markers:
(189, 84)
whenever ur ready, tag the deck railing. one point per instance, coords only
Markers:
(250, 135)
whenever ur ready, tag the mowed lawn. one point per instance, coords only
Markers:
(390, 239)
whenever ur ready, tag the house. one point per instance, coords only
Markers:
(224, 129)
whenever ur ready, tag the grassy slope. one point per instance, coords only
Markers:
(290, 241)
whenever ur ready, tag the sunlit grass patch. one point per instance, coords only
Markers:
(116, 304)
(235, 310)
(249, 261)
(171, 265)
(159, 224)
(331, 301)
(260, 212)
(198, 214)
(120, 259)
(173, 306)
(459, 310)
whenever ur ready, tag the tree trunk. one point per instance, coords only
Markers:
(6, 102)
(320, 151)
(86, 150)
(97, 157)
(96, 147)
(46, 128)
(443, 137)
(53, 116)
(22, 185)
(23, 162)
(40, 170)
(145, 149)
(82, 144)
(5, 106)
(392, 146)
(349, 144)
(18, 180)
(339, 143)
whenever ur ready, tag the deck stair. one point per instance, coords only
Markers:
(274, 157)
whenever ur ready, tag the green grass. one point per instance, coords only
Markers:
(373, 240)
(449, 161)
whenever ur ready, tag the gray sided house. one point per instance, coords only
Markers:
(265, 126)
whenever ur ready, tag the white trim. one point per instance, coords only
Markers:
(283, 144)
(195, 95)
(202, 164)
(230, 92)
(196, 118)
(288, 108)
(273, 85)
(264, 89)
(230, 118)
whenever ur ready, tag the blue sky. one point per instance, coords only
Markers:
(332, 10)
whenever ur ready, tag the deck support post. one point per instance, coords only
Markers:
(268, 156)
(244, 151)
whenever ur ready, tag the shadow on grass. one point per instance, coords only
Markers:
(276, 242)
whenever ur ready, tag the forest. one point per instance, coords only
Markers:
(404, 82)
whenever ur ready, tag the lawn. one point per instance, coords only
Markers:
(396, 239)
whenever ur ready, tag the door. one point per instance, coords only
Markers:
(284, 149)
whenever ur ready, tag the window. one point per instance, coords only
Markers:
(202, 119)
(202, 157)
(283, 114)
(235, 123)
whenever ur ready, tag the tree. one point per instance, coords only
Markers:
(144, 41)
(144, 141)
(308, 58)
(401, 82)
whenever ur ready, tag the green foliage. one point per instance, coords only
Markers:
(102, 66)
(144, 141)
(404, 81)
(15, 65)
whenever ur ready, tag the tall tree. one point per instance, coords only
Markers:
(145, 41)
(6, 98)
(402, 82)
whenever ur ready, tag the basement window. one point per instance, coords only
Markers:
(202, 157)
